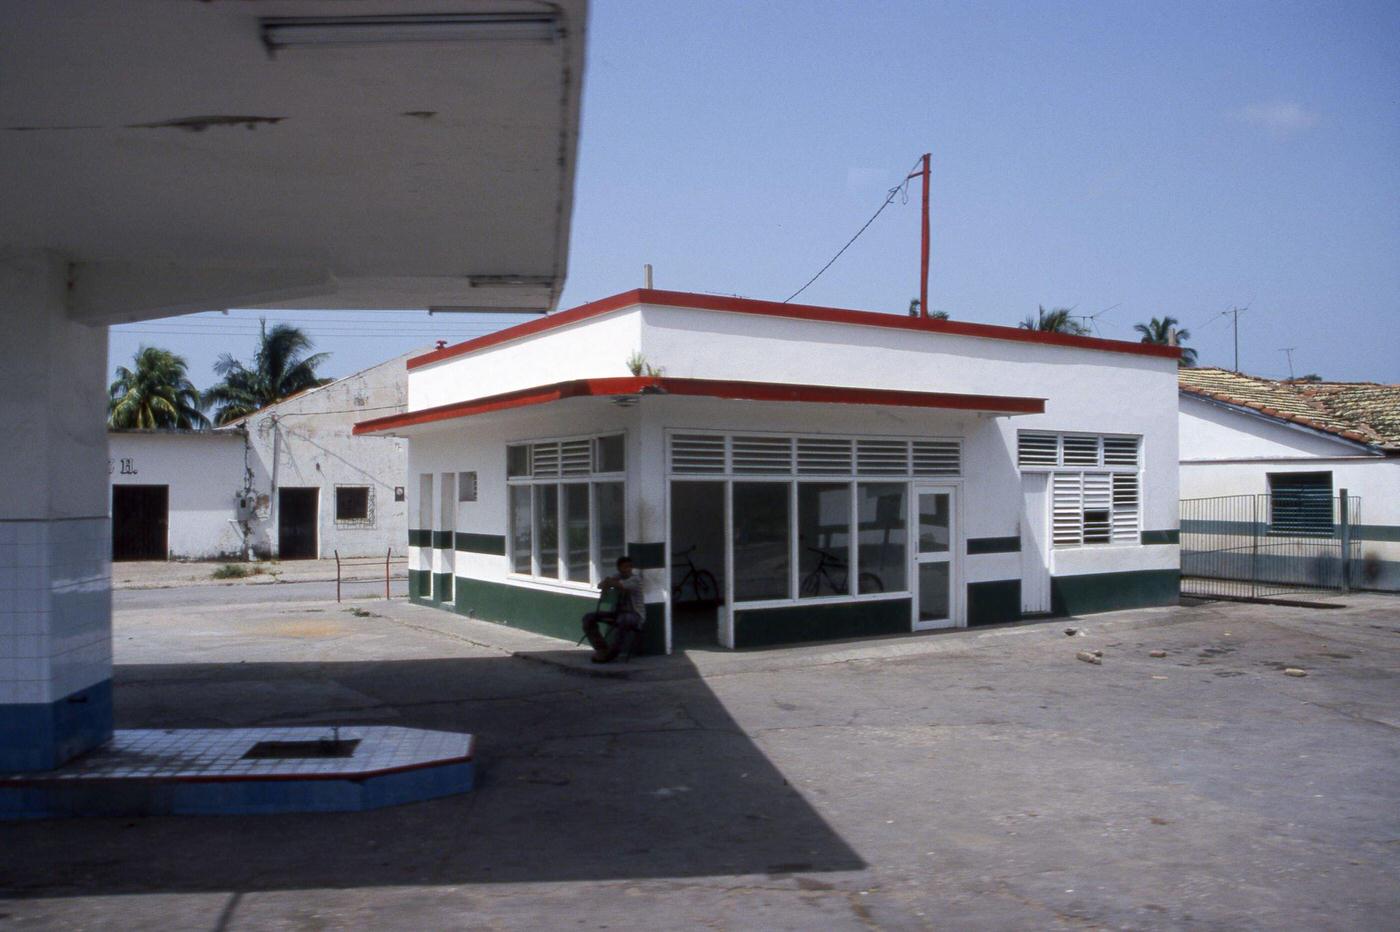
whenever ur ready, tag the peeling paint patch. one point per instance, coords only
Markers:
(420, 114)
(198, 124)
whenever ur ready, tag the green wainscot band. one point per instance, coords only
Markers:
(765, 627)
(1111, 592)
(557, 614)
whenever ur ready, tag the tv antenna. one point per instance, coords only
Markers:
(1288, 351)
(1093, 319)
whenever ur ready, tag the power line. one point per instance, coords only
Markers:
(902, 186)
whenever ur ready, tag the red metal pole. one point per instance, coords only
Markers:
(923, 248)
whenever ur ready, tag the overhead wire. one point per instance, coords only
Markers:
(903, 186)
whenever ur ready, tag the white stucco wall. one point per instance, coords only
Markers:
(307, 441)
(1229, 452)
(204, 473)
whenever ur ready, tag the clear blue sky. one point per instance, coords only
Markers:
(1155, 159)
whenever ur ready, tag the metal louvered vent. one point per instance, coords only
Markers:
(937, 458)
(882, 458)
(1065, 499)
(575, 458)
(1081, 451)
(1125, 508)
(697, 453)
(819, 455)
(545, 459)
(1037, 449)
(1098, 508)
(768, 455)
(1120, 451)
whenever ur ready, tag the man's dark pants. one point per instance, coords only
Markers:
(629, 626)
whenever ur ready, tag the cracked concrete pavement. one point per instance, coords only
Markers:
(980, 779)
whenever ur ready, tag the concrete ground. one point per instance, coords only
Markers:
(982, 779)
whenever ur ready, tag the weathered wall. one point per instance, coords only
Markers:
(204, 472)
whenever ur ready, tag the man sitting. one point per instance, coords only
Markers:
(626, 614)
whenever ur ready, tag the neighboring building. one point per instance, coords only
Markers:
(1299, 444)
(290, 481)
(834, 473)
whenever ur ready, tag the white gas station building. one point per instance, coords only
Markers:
(162, 158)
(788, 473)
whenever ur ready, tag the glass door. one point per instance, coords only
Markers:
(935, 587)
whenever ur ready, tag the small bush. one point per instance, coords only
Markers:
(232, 571)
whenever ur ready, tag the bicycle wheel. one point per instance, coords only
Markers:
(706, 588)
(869, 582)
(811, 584)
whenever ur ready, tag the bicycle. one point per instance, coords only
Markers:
(701, 582)
(812, 582)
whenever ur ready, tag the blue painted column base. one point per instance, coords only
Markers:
(42, 736)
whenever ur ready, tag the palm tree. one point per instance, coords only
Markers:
(280, 369)
(933, 315)
(1054, 321)
(1160, 332)
(157, 393)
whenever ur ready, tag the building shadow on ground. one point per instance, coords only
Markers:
(579, 778)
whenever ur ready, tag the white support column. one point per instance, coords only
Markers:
(55, 537)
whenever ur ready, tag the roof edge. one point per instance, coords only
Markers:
(704, 388)
(811, 312)
(1282, 417)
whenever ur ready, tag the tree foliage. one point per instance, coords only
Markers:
(1056, 320)
(1160, 332)
(280, 369)
(157, 393)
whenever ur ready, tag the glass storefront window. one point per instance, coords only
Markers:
(576, 537)
(547, 529)
(823, 538)
(882, 521)
(762, 557)
(520, 551)
(612, 526)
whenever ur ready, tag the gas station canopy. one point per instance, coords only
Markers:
(187, 156)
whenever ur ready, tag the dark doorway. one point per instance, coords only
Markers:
(697, 563)
(140, 522)
(297, 512)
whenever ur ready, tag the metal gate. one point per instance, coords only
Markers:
(1253, 546)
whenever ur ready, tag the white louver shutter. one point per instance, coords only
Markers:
(761, 455)
(1037, 449)
(1066, 497)
(1098, 508)
(1081, 451)
(937, 458)
(697, 454)
(1120, 451)
(575, 458)
(545, 459)
(824, 456)
(882, 458)
(1125, 508)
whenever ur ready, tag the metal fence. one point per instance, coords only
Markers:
(1255, 546)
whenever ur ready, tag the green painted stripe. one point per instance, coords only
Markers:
(442, 587)
(420, 538)
(993, 602)
(647, 556)
(442, 540)
(420, 584)
(1111, 592)
(976, 545)
(1376, 532)
(557, 614)
(494, 544)
(762, 627)
(1168, 536)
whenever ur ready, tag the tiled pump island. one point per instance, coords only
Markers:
(787, 473)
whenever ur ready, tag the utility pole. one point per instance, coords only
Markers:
(1288, 351)
(1235, 312)
(923, 172)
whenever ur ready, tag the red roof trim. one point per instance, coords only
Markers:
(707, 302)
(705, 388)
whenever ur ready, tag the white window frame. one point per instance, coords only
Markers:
(592, 480)
(1082, 471)
(853, 478)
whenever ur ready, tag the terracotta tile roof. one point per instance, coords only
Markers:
(1366, 412)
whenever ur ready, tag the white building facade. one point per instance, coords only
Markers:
(791, 473)
(1291, 442)
(290, 482)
